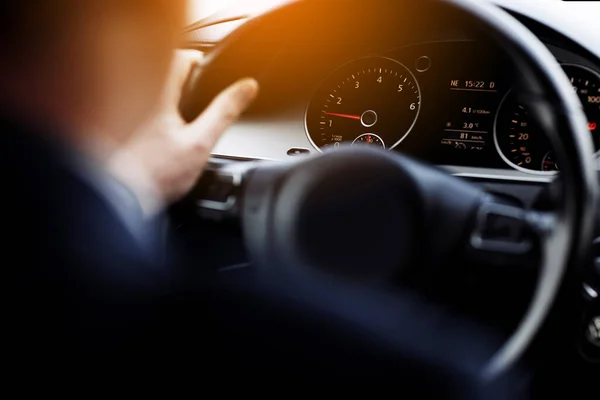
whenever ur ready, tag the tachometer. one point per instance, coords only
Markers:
(523, 145)
(373, 100)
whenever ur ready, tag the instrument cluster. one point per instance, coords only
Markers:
(450, 103)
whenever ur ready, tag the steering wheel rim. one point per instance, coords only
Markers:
(554, 106)
(564, 246)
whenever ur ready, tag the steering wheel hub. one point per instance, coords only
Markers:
(351, 213)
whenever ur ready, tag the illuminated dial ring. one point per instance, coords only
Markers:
(523, 145)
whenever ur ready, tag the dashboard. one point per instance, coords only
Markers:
(451, 99)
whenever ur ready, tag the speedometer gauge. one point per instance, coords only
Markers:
(523, 145)
(372, 101)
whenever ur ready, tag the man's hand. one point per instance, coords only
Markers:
(165, 159)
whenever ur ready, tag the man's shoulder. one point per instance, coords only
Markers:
(64, 236)
(51, 204)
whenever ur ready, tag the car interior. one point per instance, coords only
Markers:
(445, 147)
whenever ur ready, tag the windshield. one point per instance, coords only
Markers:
(203, 8)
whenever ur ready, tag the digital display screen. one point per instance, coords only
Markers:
(472, 108)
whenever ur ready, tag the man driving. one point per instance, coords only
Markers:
(94, 151)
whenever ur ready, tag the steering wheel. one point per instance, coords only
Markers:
(290, 211)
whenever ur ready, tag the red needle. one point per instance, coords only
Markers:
(356, 117)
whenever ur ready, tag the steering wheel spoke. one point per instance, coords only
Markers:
(505, 234)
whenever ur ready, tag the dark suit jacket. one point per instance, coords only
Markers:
(82, 292)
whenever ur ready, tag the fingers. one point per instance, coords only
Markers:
(222, 112)
(180, 69)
